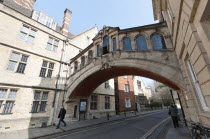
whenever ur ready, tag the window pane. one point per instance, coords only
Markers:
(8, 107)
(44, 64)
(105, 41)
(93, 98)
(50, 40)
(127, 44)
(24, 58)
(11, 65)
(51, 65)
(35, 106)
(3, 93)
(107, 102)
(43, 106)
(114, 45)
(126, 88)
(42, 72)
(56, 43)
(30, 39)
(75, 66)
(32, 33)
(45, 96)
(37, 95)
(98, 50)
(90, 56)
(49, 47)
(21, 68)
(12, 94)
(141, 43)
(82, 62)
(22, 36)
(55, 48)
(14, 56)
(49, 74)
(24, 29)
(1, 103)
(158, 42)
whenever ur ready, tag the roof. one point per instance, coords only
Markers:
(18, 8)
(84, 31)
(27, 12)
(150, 26)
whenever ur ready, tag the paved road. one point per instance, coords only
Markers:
(133, 128)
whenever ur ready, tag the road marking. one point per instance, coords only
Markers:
(153, 129)
(107, 124)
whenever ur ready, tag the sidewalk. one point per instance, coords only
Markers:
(178, 133)
(74, 125)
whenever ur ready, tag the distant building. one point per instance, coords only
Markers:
(142, 93)
(124, 94)
(102, 101)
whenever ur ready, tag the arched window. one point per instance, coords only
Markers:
(98, 50)
(90, 56)
(75, 66)
(105, 41)
(105, 48)
(82, 62)
(158, 42)
(127, 44)
(141, 43)
(114, 43)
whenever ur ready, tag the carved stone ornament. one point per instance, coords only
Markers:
(165, 56)
(94, 60)
(106, 62)
(117, 54)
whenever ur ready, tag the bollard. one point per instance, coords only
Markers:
(107, 116)
(135, 112)
(125, 113)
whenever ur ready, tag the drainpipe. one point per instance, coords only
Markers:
(183, 114)
(172, 96)
(58, 84)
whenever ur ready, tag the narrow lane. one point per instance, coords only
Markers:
(133, 128)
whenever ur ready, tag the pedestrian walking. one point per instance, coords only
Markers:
(61, 116)
(173, 111)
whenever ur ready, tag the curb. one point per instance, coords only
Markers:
(152, 130)
(65, 132)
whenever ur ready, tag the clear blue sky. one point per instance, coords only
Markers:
(87, 13)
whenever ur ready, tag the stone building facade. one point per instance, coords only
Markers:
(35, 56)
(189, 26)
(99, 104)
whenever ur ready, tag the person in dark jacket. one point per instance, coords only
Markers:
(61, 116)
(173, 111)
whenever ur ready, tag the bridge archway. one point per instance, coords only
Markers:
(160, 66)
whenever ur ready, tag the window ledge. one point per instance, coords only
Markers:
(20, 73)
(45, 77)
(38, 112)
(205, 113)
(6, 113)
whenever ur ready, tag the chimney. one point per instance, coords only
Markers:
(26, 3)
(66, 22)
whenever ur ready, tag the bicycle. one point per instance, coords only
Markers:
(199, 131)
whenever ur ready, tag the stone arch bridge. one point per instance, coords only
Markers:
(144, 51)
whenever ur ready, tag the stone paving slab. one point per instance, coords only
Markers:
(181, 132)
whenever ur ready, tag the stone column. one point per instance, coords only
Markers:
(149, 44)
